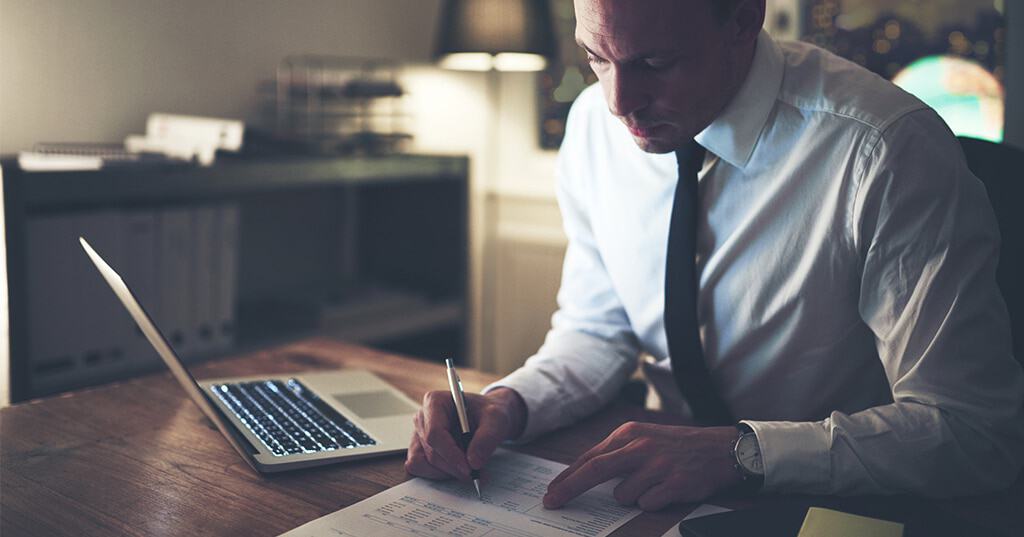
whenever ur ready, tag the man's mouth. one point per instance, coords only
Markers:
(643, 131)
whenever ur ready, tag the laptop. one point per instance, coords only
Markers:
(286, 422)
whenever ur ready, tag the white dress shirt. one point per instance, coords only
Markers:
(847, 300)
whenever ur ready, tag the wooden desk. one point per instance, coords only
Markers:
(138, 458)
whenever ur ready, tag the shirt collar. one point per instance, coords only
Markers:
(734, 133)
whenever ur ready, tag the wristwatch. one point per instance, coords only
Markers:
(747, 453)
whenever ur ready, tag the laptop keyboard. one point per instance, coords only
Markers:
(290, 419)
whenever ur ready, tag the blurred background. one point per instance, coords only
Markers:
(395, 183)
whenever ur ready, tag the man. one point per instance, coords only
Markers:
(845, 260)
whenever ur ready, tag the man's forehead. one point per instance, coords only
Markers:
(638, 24)
(612, 14)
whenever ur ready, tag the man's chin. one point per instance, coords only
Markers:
(656, 145)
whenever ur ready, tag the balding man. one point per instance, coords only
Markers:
(799, 245)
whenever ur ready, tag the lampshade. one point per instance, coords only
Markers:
(507, 35)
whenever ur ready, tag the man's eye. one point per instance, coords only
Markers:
(658, 65)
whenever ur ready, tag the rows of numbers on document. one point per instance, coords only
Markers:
(513, 491)
(421, 517)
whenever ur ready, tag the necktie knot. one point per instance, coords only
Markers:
(690, 158)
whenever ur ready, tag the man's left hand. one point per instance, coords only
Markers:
(660, 464)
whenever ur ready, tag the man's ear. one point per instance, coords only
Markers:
(747, 20)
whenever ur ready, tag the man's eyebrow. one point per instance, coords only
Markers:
(635, 57)
(586, 48)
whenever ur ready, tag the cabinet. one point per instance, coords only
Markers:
(368, 249)
(529, 248)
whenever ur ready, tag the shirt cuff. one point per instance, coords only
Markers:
(795, 455)
(538, 392)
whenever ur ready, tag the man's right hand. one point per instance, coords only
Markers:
(435, 453)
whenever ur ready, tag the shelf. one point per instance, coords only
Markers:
(311, 229)
(228, 177)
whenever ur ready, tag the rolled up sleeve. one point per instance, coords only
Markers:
(591, 349)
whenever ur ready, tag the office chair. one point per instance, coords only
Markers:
(1001, 168)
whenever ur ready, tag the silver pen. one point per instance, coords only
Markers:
(460, 408)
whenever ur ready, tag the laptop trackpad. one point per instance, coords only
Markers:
(369, 405)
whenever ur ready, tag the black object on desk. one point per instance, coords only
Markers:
(784, 518)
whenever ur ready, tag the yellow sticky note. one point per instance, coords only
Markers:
(822, 522)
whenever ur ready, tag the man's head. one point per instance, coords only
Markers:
(668, 67)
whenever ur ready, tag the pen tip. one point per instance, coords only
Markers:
(476, 483)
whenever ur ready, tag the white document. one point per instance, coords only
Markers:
(702, 510)
(218, 133)
(513, 485)
(706, 509)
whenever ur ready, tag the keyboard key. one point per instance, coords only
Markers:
(289, 419)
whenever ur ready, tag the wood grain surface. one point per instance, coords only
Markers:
(138, 458)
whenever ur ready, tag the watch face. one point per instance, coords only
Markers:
(748, 453)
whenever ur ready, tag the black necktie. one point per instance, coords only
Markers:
(684, 346)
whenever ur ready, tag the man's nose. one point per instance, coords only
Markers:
(625, 93)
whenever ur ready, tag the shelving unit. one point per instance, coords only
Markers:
(368, 249)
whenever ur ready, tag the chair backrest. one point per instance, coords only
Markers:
(1001, 168)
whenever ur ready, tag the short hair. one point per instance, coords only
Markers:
(723, 9)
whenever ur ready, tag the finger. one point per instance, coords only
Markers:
(656, 497)
(490, 432)
(436, 436)
(592, 473)
(636, 484)
(610, 443)
(432, 456)
(416, 462)
(417, 422)
(436, 460)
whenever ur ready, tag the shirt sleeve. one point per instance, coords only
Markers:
(929, 245)
(591, 349)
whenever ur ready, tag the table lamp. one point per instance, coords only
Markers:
(492, 36)
(503, 35)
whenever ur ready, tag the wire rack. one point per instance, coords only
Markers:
(335, 105)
